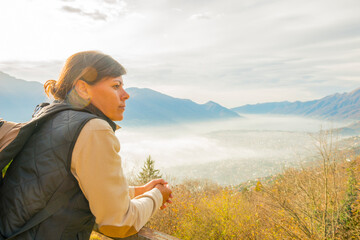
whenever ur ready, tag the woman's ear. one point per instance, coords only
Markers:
(83, 89)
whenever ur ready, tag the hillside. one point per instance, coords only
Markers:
(317, 202)
(334, 107)
(18, 99)
(148, 107)
(350, 130)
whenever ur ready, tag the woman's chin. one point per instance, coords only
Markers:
(117, 118)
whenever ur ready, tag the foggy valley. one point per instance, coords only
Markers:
(227, 152)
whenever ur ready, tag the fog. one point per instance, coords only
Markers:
(227, 152)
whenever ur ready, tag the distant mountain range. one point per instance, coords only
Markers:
(147, 106)
(18, 99)
(335, 107)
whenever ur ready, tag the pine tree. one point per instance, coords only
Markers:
(148, 172)
(258, 186)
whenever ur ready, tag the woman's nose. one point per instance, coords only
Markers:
(124, 95)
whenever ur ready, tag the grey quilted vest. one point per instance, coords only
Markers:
(40, 174)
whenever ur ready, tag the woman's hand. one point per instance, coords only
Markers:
(150, 185)
(166, 193)
(160, 184)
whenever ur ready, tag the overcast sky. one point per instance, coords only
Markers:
(232, 52)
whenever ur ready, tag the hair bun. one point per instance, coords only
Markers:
(50, 87)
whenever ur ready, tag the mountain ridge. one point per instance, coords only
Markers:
(333, 107)
(168, 109)
(18, 99)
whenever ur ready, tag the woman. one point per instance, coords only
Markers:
(76, 150)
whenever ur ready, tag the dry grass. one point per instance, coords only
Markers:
(318, 202)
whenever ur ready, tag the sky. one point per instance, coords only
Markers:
(233, 52)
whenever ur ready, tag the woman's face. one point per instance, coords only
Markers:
(109, 96)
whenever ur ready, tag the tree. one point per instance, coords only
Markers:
(148, 172)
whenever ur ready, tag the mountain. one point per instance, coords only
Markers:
(350, 130)
(336, 106)
(148, 107)
(218, 110)
(18, 99)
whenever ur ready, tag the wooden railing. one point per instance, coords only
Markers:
(144, 234)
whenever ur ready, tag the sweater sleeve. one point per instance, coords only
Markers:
(97, 167)
(131, 191)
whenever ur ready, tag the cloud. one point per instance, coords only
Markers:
(178, 9)
(201, 16)
(98, 10)
(96, 15)
(111, 1)
(71, 9)
(39, 71)
(218, 49)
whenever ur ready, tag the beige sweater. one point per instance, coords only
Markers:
(97, 167)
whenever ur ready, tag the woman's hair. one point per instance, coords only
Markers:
(89, 66)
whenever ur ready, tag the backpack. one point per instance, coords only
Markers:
(8, 132)
(13, 136)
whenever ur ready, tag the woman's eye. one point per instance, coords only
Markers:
(116, 86)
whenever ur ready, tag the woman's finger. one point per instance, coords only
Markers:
(159, 181)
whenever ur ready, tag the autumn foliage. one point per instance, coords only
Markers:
(317, 202)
